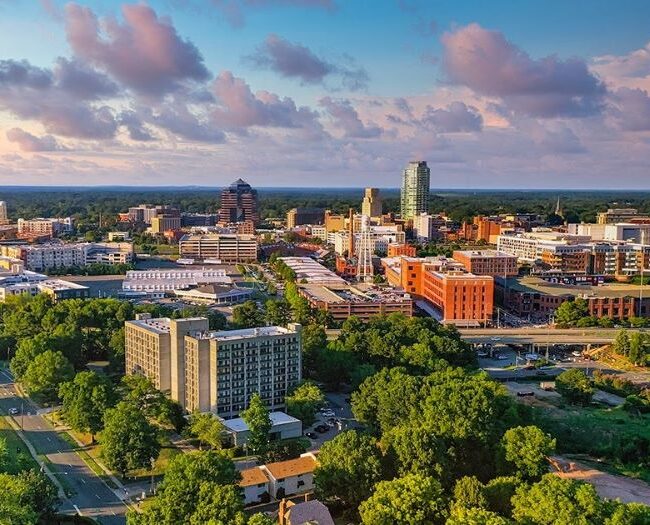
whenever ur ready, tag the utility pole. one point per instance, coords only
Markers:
(152, 460)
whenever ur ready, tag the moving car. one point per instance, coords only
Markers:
(14, 411)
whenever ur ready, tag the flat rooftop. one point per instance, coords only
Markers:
(312, 271)
(159, 325)
(538, 285)
(244, 333)
(483, 253)
(277, 418)
(353, 294)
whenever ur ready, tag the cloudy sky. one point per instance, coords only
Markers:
(499, 94)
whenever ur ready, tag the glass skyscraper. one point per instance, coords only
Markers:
(415, 189)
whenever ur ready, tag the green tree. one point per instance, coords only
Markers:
(26, 351)
(26, 497)
(349, 467)
(4, 454)
(411, 500)
(247, 315)
(474, 516)
(629, 514)
(190, 483)
(468, 493)
(278, 312)
(12, 509)
(261, 519)
(257, 418)
(45, 373)
(570, 312)
(207, 429)
(314, 340)
(557, 501)
(304, 401)
(128, 440)
(85, 399)
(218, 505)
(498, 493)
(574, 386)
(528, 449)
(155, 404)
(621, 343)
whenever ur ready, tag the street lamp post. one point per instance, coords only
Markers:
(152, 460)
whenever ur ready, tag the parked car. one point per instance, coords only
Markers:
(501, 357)
(328, 413)
(14, 411)
(321, 429)
(311, 435)
(526, 393)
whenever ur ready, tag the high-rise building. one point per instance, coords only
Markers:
(371, 204)
(4, 219)
(415, 189)
(215, 371)
(238, 203)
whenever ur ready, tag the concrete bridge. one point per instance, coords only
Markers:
(541, 336)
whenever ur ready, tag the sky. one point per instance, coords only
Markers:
(528, 94)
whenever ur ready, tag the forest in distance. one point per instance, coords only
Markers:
(86, 204)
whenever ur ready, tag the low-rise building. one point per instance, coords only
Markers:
(300, 216)
(44, 257)
(487, 262)
(229, 248)
(309, 271)
(363, 301)
(283, 426)
(211, 294)
(396, 249)
(50, 227)
(163, 223)
(31, 283)
(158, 282)
(537, 299)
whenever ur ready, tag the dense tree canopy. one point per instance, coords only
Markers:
(574, 386)
(528, 449)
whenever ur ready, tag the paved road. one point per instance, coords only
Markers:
(91, 496)
(540, 336)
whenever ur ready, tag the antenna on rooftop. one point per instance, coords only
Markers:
(364, 252)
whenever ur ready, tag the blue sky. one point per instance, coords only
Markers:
(298, 90)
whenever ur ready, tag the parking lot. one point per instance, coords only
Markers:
(341, 413)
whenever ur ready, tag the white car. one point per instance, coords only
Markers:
(14, 411)
(328, 413)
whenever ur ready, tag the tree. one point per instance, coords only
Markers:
(468, 493)
(189, 484)
(474, 516)
(85, 399)
(278, 312)
(574, 386)
(128, 440)
(207, 429)
(141, 391)
(247, 315)
(4, 454)
(621, 343)
(12, 509)
(528, 449)
(629, 514)
(555, 500)
(304, 401)
(256, 417)
(570, 312)
(349, 467)
(218, 505)
(26, 497)
(499, 491)
(45, 373)
(314, 339)
(411, 500)
(261, 519)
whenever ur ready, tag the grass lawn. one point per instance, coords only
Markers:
(167, 453)
(610, 434)
(19, 457)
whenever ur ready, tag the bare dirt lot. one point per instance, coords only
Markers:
(608, 486)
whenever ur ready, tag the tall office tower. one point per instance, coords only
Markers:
(364, 252)
(238, 203)
(371, 205)
(415, 189)
(3, 213)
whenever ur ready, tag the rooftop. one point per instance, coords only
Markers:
(353, 294)
(159, 325)
(482, 253)
(252, 476)
(245, 333)
(277, 418)
(292, 467)
(538, 285)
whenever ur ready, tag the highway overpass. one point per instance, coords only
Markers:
(540, 336)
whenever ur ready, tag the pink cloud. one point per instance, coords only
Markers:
(31, 143)
(144, 52)
(490, 65)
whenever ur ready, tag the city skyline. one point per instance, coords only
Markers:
(302, 93)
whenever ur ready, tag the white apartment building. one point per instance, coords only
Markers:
(528, 247)
(380, 237)
(319, 232)
(45, 226)
(31, 283)
(152, 281)
(215, 371)
(229, 248)
(43, 257)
